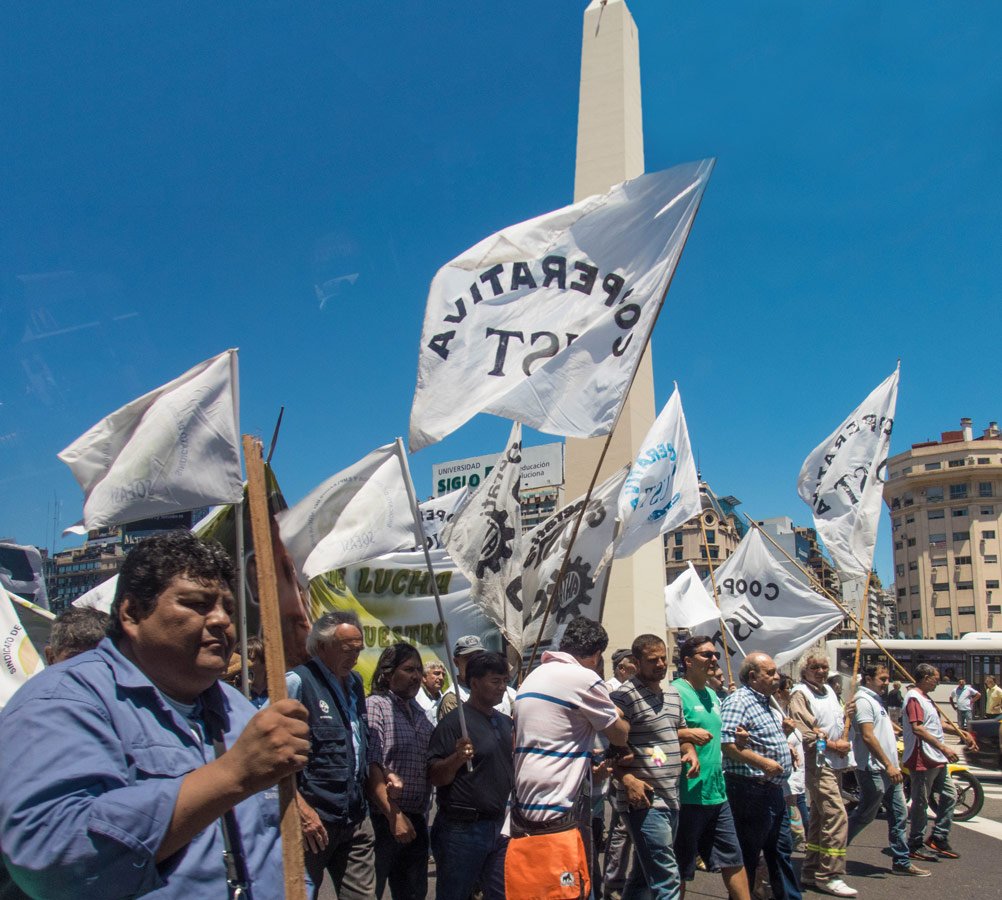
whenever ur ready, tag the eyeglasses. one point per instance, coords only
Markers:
(821, 668)
(708, 654)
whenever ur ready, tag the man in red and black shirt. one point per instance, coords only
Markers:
(927, 758)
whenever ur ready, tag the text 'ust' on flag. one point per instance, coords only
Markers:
(662, 490)
(354, 515)
(764, 607)
(581, 591)
(544, 321)
(843, 478)
(687, 602)
(173, 449)
(484, 540)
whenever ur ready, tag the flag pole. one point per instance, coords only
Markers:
(423, 541)
(859, 645)
(293, 860)
(716, 597)
(821, 589)
(605, 448)
(238, 511)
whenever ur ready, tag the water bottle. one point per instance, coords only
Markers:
(822, 745)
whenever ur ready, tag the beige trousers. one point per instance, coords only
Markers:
(828, 826)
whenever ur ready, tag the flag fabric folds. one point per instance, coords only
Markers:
(582, 590)
(173, 449)
(842, 481)
(662, 490)
(484, 540)
(765, 607)
(544, 322)
(359, 513)
(437, 512)
(687, 602)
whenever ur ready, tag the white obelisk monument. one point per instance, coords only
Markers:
(610, 150)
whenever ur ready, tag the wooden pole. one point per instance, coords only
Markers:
(820, 588)
(859, 644)
(238, 512)
(716, 597)
(274, 657)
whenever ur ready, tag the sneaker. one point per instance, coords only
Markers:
(836, 887)
(942, 847)
(920, 853)
(909, 869)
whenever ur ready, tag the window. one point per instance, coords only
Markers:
(934, 494)
(899, 545)
(942, 611)
(955, 463)
(913, 565)
(961, 535)
(678, 538)
(899, 569)
(914, 589)
(992, 584)
(983, 460)
(895, 503)
(937, 561)
(711, 537)
(896, 523)
(961, 511)
(984, 489)
(940, 586)
(678, 555)
(937, 538)
(962, 560)
(911, 542)
(908, 498)
(995, 608)
(910, 520)
(931, 466)
(991, 559)
(987, 535)
(965, 610)
(907, 470)
(901, 592)
(937, 513)
(916, 613)
(988, 510)
(965, 585)
(958, 491)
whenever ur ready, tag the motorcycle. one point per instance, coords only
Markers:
(970, 793)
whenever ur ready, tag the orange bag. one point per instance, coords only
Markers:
(549, 866)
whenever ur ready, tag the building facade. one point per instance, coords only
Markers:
(945, 501)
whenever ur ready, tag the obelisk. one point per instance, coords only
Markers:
(610, 150)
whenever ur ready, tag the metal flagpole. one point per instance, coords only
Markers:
(423, 541)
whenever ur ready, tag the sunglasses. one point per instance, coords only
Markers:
(708, 654)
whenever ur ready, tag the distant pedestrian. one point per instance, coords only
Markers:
(962, 699)
(894, 700)
(430, 695)
(796, 784)
(993, 697)
(257, 672)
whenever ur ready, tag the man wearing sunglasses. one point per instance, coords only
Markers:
(705, 824)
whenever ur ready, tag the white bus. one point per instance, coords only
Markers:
(971, 657)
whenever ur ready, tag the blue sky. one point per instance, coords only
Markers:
(178, 177)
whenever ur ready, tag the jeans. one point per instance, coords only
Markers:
(875, 788)
(618, 851)
(924, 783)
(468, 853)
(404, 866)
(963, 718)
(348, 858)
(763, 825)
(654, 872)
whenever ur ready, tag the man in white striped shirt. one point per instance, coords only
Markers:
(559, 709)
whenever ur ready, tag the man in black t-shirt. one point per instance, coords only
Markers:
(466, 837)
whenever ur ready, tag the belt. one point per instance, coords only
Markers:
(752, 782)
(467, 814)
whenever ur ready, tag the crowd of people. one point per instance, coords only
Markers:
(130, 768)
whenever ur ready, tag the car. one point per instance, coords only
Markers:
(987, 733)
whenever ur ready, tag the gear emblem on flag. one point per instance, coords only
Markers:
(573, 596)
(498, 543)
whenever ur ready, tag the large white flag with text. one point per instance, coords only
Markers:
(484, 539)
(662, 490)
(19, 659)
(582, 589)
(544, 321)
(359, 513)
(765, 607)
(437, 512)
(843, 478)
(173, 449)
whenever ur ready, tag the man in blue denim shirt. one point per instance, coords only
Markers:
(111, 785)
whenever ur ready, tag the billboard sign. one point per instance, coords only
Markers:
(542, 466)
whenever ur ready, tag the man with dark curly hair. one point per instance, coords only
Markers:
(123, 767)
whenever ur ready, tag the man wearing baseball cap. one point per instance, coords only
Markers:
(462, 652)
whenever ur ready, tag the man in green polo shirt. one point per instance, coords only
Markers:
(705, 825)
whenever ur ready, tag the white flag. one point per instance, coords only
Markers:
(438, 512)
(484, 539)
(19, 659)
(173, 449)
(99, 597)
(354, 515)
(843, 478)
(582, 590)
(544, 322)
(662, 490)
(687, 602)
(765, 607)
